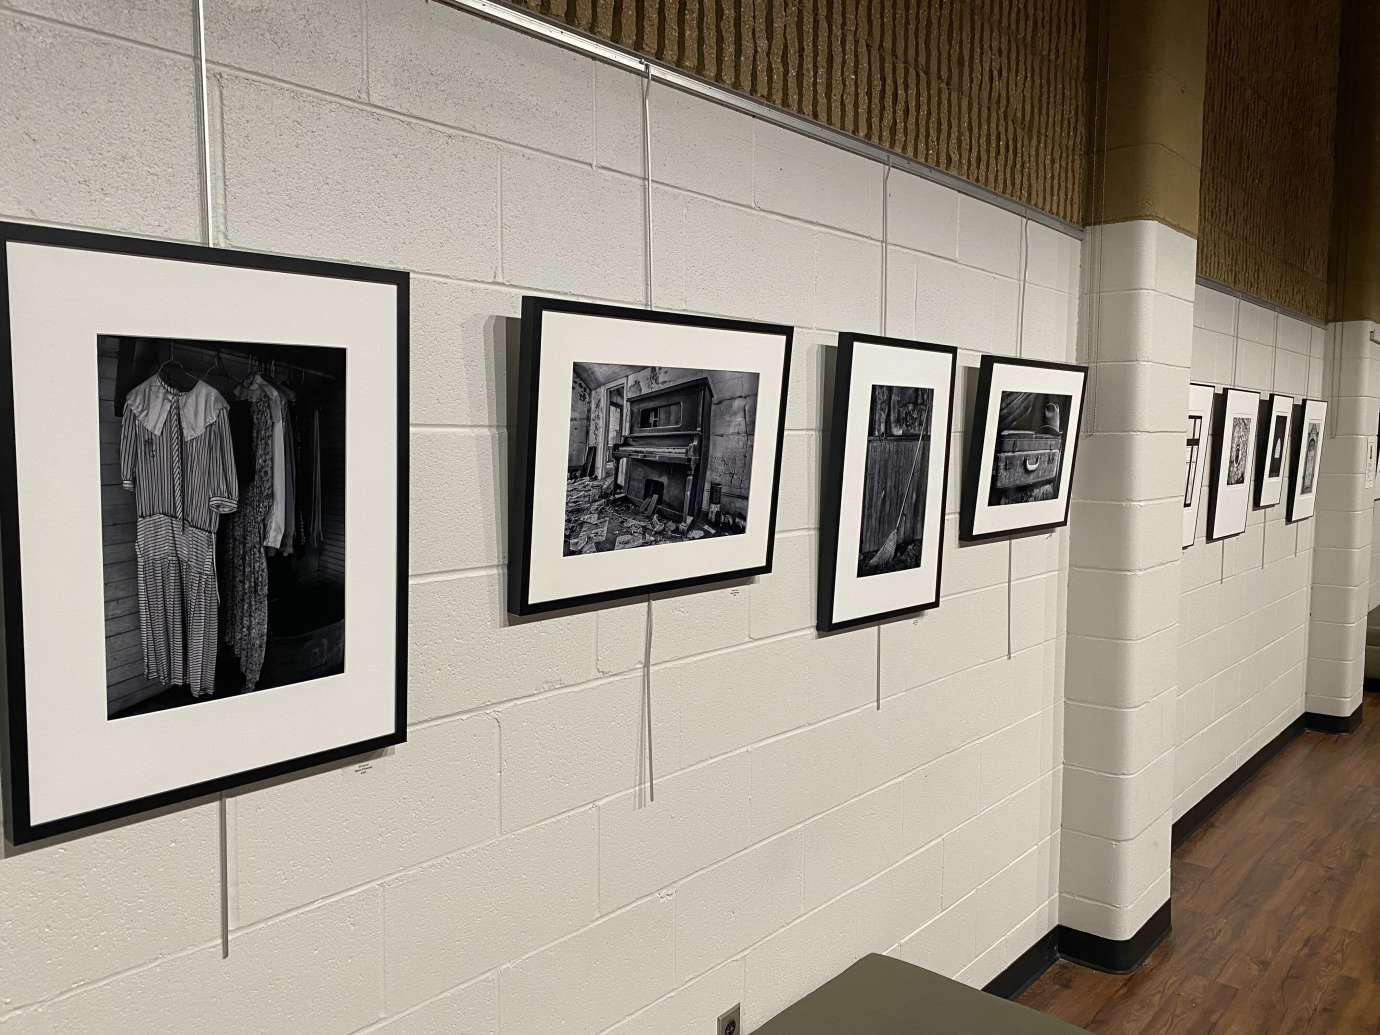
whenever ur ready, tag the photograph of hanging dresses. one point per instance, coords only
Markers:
(223, 483)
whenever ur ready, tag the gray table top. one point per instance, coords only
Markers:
(881, 995)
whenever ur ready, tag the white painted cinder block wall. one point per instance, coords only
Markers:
(1244, 601)
(495, 873)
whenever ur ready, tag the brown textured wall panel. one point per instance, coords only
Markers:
(994, 91)
(1269, 123)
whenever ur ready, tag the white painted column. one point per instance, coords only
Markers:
(1344, 520)
(1123, 596)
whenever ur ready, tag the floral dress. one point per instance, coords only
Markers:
(246, 626)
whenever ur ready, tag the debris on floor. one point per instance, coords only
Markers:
(599, 516)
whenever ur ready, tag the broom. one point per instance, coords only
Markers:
(887, 552)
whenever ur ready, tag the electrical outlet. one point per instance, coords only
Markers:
(731, 1022)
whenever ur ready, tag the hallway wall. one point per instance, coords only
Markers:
(495, 874)
(1244, 601)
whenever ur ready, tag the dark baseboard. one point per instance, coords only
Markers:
(1334, 723)
(1111, 955)
(1026, 967)
(1217, 797)
(1371, 684)
(1087, 950)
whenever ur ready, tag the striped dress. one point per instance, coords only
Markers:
(176, 457)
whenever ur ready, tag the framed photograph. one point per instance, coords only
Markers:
(648, 452)
(1376, 467)
(1019, 473)
(203, 501)
(1273, 445)
(885, 479)
(1199, 418)
(1238, 412)
(1305, 459)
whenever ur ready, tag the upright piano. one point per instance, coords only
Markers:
(666, 444)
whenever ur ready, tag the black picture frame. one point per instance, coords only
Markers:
(972, 468)
(522, 485)
(831, 502)
(1264, 436)
(1222, 404)
(1296, 459)
(18, 828)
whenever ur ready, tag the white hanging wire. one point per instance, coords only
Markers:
(647, 249)
(886, 212)
(209, 225)
(1020, 335)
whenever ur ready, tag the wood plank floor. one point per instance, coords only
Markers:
(1276, 911)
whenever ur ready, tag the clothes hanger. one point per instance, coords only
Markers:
(173, 361)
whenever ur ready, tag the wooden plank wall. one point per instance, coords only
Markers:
(1269, 130)
(124, 658)
(995, 91)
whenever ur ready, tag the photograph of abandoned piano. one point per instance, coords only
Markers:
(641, 428)
(657, 455)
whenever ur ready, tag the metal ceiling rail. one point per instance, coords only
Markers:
(658, 71)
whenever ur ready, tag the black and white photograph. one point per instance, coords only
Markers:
(1238, 412)
(648, 453)
(1272, 449)
(658, 455)
(1376, 468)
(1020, 456)
(223, 518)
(1305, 458)
(1199, 415)
(221, 600)
(886, 471)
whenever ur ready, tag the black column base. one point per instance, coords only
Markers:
(1321, 723)
(1087, 950)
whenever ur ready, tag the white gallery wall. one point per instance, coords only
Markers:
(502, 872)
(1244, 601)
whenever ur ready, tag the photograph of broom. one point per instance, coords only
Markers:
(895, 480)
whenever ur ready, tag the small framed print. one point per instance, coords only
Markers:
(885, 479)
(1272, 449)
(198, 593)
(1019, 472)
(1238, 412)
(648, 452)
(1376, 468)
(1199, 420)
(1305, 458)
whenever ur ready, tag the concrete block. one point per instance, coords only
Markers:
(458, 480)
(510, 897)
(128, 895)
(734, 263)
(923, 215)
(989, 237)
(331, 951)
(569, 748)
(450, 67)
(596, 977)
(471, 1009)
(698, 817)
(1115, 806)
(318, 835)
(847, 283)
(313, 177)
(316, 43)
(458, 348)
(1053, 258)
(740, 901)
(594, 248)
(96, 132)
(806, 179)
(849, 844)
(466, 652)
(684, 1010)
(784, 601)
